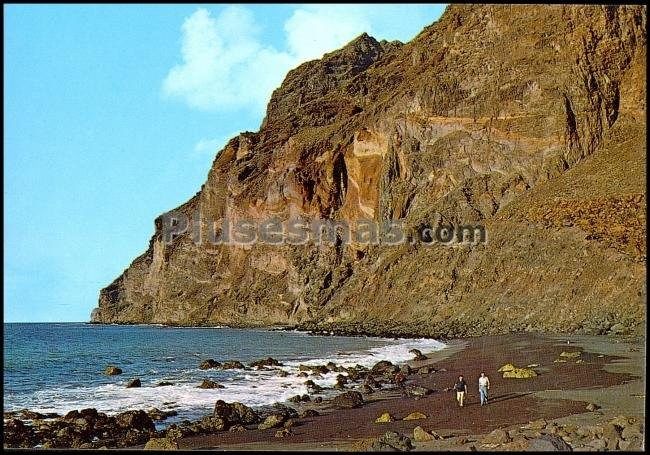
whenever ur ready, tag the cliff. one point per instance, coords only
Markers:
(527, 120)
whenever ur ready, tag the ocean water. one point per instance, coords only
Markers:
(59, 367)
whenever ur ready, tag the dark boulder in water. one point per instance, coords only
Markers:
(268, 362)
(313, 387)
(158, 415)
(208, 384)
(232, 365)
(164, 383)
(112, 370)
(133, 383)
(208, 364)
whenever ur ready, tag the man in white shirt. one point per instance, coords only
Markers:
(483, 387)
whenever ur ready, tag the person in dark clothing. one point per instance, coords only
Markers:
(461, 390)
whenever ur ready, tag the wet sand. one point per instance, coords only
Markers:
(512, 401)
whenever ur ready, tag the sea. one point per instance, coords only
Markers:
(58, 367)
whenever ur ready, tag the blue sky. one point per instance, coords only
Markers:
(113, 115)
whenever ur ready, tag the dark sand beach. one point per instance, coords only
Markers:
(562, 390)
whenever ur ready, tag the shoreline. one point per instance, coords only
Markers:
(517, 407)
(557, 393)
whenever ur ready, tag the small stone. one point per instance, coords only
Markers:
(283, 433)
(571, 355)
(415, 416)
(384, 418)
(520, 373)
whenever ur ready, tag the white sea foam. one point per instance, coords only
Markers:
(250, 387)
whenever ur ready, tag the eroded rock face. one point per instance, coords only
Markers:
(529, 120)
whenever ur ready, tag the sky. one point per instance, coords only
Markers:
(114, 114)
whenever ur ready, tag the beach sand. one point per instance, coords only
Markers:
(610, 374)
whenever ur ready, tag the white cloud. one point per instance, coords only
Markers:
(226, 66)
(313, 30)
(220, 60)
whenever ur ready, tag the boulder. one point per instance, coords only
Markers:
(537, 424)
(597, 444)
(384, 367)
(384, 418)
(392, 441)
(137, 420)
(592, 407)
(548, 443)
(272, 421)
(157, 414)
(235, 413)
(268, 362)
(133, 383)
(161, 444)
(632, 431)
(237, 428)
(506, 367)
(208, 384)
(405, 369)
(232, 365)
(309, 413)
(420, 435)
(424, 371)
(634, 444)
(415, 416)
(211, 424)
(498, 436)
(282, 373)
(164, 383)
(348, 400)
(520, 373)
(312, 386)
(418, 354)
(208, 364)
(417, 391)
(112, 370)
(372, 382)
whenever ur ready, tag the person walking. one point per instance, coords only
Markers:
(461, 390)
(483, 387)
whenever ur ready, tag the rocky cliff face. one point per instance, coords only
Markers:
(528, 120)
